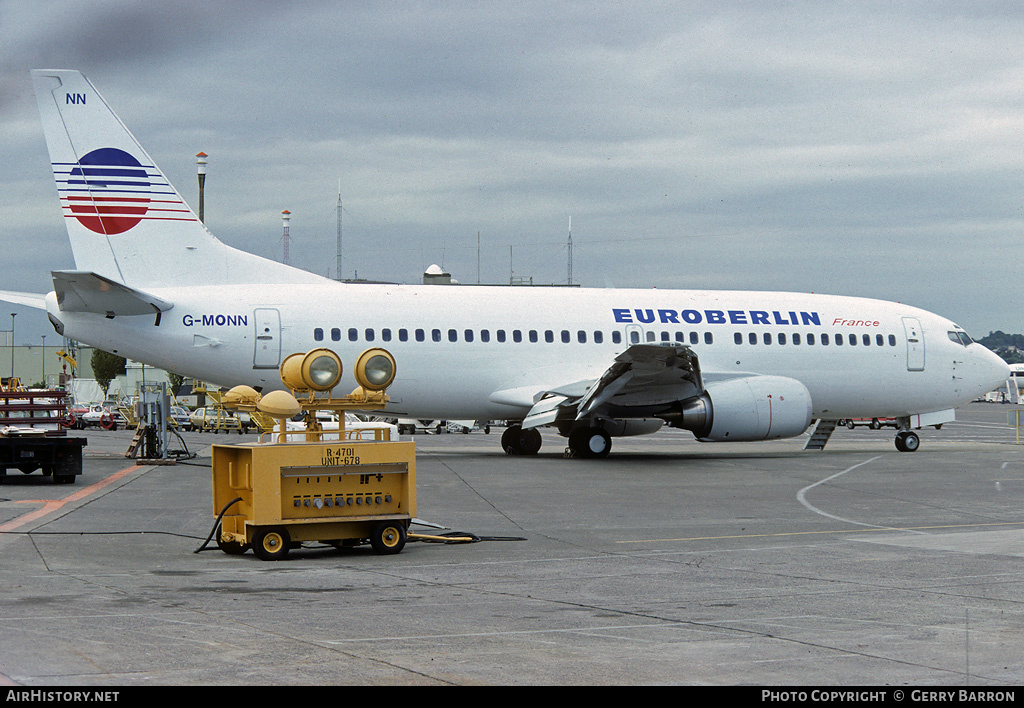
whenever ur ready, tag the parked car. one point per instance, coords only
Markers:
(103, 416)
(218, 419)
(180, 416)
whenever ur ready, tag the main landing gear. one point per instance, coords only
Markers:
(907, 441)
(516, 441)
(589, 443)
(586, 443)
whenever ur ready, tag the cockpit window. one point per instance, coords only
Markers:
(960, 337)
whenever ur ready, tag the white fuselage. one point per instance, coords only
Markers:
(456, 346)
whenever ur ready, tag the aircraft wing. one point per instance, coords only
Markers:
(644, 377)
(84, 291)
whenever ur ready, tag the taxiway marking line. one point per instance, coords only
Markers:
(819, 533)
(52, 505)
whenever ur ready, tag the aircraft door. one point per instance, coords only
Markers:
(634, 334)
(267, 352)
(915, 343)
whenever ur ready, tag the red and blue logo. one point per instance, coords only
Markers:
(109, 192)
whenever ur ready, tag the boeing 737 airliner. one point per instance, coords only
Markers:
(154, 285)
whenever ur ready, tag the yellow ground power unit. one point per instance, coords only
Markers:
(316, 483)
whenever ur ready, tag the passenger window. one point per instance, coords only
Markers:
(738, 338)
(533, 336)
(824, 340)
(435, 334)
(369, 334)
(839, 340)
(335, 334)
(453, 335)
(767, 337)
(708, 339)
(318, 335)
(693, 338)
(566, 338)
(652, 336)
(810, 339)
(500, 335)
(403, 335)
(879, 340)
(752, 337)
(420, 335)
(866, 339)
(853, 340)
(598, 337)
(549, 336)
(796, 338)
(469, 335)
(485, 335)
(634, 337)
(782, 338)
(581, 337)
(616, 337)
(892, 340)
(517, 336)
(385, 334)
(353, 334)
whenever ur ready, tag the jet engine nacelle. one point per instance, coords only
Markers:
(746, 409)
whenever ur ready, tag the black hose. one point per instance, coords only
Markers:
(216, 524)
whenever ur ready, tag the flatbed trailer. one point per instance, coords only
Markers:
(33, 434)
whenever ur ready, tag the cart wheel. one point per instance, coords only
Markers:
(271, 543)
(388, 538)
(232, 548)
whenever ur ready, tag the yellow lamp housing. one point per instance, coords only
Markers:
(241, 396)
(279, 404)
(317, 370)
(375, 369)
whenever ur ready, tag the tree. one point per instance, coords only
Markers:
(176, 381)
(106, 367)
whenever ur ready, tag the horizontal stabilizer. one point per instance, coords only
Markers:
(83, 291)
(27, 299)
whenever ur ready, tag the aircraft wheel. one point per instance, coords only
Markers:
(516, 441)
(907, 441)
(590, 443)
(271, 543)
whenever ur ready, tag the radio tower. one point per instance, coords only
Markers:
(285, 216)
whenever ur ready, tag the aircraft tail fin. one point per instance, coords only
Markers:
(125, 220)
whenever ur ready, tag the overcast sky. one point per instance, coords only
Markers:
(859, 148)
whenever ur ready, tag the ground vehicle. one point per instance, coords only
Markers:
(466, 426)
(873, 423)
(411, 426)
(33, 435)
(211, 419)
(180, 416)
(74, 416)
(106, 417)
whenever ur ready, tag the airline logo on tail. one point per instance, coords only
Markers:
(109, 192)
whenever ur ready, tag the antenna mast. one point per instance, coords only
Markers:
(338, 267)
(570, 251)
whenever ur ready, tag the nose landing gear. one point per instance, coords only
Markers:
(907, 441)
